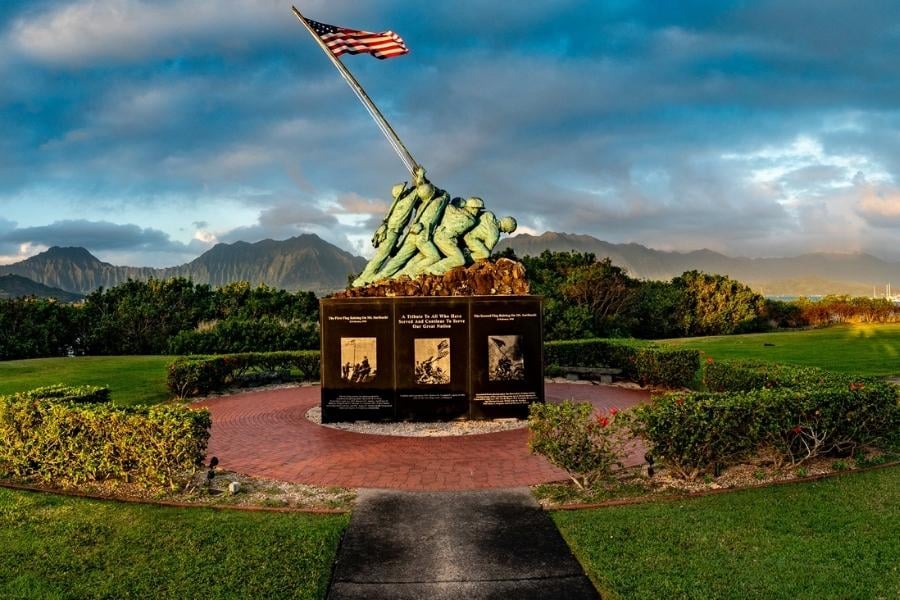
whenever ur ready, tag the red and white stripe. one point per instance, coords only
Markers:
(386, 44)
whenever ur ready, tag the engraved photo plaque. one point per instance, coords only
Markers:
(357, 360)
(507, 356)
(432, 358)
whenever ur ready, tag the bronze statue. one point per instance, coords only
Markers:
(439, 234)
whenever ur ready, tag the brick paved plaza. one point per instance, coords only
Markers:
(267, 434)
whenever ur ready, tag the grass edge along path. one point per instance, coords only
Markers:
(834, 538)
(62, 547)
(853, 349)
(131, 379)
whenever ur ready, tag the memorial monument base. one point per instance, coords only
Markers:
(431, 358)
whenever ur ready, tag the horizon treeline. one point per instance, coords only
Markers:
(583, 298)
(161, 316)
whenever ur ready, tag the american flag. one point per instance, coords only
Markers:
(341, 40)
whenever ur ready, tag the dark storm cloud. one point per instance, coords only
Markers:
(674, 124)
(93, 235)
(288, 218)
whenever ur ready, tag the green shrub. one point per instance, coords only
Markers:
(695, 432)
(640, 361)
(745, 375)
(247, 335)
(196, 376)
(670, 367)
(805, 424)
(65, 443)
(590, 353)
(88, 394)
(569, 436)
(192, 376)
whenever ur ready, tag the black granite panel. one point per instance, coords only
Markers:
(507, 356)
(357, 359)
(431, 358)
(432, 353)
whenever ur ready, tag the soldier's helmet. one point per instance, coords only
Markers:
(507, 224)
(425, 191)
(476, 203)
(397, 190)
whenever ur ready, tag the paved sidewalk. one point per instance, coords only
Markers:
(472, 545)
(266, 433)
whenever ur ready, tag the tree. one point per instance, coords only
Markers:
(655, 310)
(605, 292)
(716, 305)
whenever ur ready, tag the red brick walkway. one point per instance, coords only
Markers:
(267, 434)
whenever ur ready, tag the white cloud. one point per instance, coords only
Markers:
(86, 32)
(125, 30)
(207, 237)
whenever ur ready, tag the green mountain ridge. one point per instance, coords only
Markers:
(305, 262)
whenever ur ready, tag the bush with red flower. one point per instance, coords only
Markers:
(588, 447)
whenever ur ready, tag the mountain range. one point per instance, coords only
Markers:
(304, 262)
(308, 262)
(16, 286)
(804, 275)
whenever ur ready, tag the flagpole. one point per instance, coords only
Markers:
(383, 125)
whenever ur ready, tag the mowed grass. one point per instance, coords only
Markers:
(131, 379)
(58, 547)
(837, 538)
(855, 349)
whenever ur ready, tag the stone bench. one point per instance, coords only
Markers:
(601, 374)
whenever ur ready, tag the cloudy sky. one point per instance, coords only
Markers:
(147, 131)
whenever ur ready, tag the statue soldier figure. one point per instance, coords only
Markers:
(483, 237)
(419, 238)
(456, 222)
(385, 238)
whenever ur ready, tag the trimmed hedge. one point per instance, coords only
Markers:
(642, 362)
(64, 441)
(192, 376)
(697, 432)
(83, 394)
(198, 375)
(745, 375)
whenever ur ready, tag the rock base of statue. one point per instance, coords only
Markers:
(431, 358)
(503, 277)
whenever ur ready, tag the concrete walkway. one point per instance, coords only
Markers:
(472, 545)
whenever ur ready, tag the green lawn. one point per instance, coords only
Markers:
(132, 379)
(58, 547)
(837, 538)
(856, 349)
